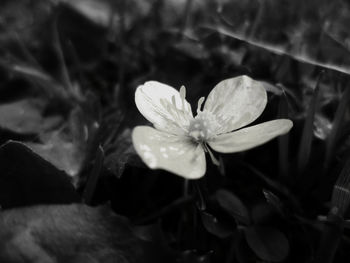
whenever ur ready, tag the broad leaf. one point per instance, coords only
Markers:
(268, 243)
(71, 233)
(25, 116)
(233, 205)
(28, 179)
(214, 226)
(66, 148)
(193, 256)
(120, 153)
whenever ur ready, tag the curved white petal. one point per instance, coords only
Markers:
(250, 137)
(163, 106)
(173, 153)
(236, 102)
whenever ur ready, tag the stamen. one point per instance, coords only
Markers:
(200, 102)
(212, 157)
(179, 119)
(183, 96)
(171, 108)
(183, 92)
(203, 127)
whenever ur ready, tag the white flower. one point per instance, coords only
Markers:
(179, 141)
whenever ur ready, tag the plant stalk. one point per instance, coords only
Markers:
(331, 236)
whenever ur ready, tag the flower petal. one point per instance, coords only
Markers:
(173, 153)
(163, 106)
(236, 102)
(250, 137)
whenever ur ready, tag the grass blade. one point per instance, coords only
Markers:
(337, 125)
(283, 141)
(307, 134)
(93, 177)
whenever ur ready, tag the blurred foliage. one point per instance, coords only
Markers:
(69, 70)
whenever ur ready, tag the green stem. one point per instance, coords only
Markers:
(93, 177)
(186, 188)
(337, 124)
(307, 134)
(331, 236)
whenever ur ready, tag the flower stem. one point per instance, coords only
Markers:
(331, 236)
(186, 188)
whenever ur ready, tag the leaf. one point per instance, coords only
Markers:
(31, 72)
(70, 233)
(99, 12)
(268, 243)
(242, 251)
(192, 49)
(193, 256)
(60, 152)
(92, 180)
(338, 121)
(121, 153)
(154, 233)
(274, 201)
(25, 116)
(283, 141)
(233, 205)
(312, 39)
(66, 148)
(214, 226)
(28, 179)
(322, 126)
(261, 213)
(307, 134)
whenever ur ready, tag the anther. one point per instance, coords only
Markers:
(200, 102)
(183, 92)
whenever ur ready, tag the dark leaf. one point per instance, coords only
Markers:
(283, 141)
(94, 174)
(307, 134)
(242, 251)
(40, 79)
(337, 125)
(192, 49)
(65, 148)
(31, 72)
(274, 201)
(71, 233)
(214, 226)
(322, 126)
(25, 116)
(261, 213)
(99, 12)
(295, 32)
(192, 256)
(60, 152)
(149, 232)
(121, 153)
(268, 243)
(28, 179)
(233, 205)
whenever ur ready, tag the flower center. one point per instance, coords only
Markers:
(202, 127)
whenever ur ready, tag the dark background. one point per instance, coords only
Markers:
(68, 73)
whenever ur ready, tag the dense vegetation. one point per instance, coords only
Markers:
(69, 71)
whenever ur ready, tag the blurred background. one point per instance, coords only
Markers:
(68, 73)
